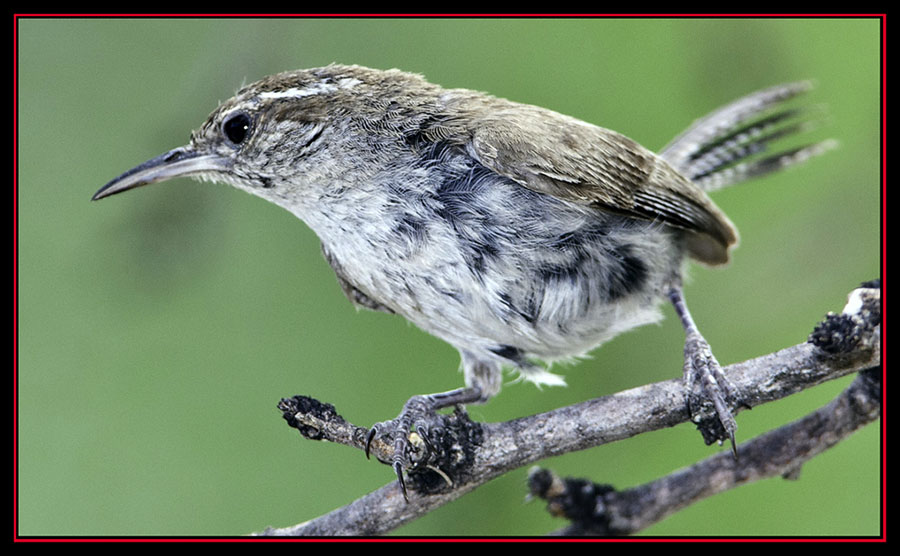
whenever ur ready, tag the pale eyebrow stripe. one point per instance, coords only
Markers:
(314, 89)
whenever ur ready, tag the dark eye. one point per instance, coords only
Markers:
(236, 126)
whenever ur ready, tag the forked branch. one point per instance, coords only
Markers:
(467, 454)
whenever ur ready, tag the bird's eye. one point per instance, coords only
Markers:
(236, 127)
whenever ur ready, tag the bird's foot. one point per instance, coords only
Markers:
(421, 438)
(712, 398)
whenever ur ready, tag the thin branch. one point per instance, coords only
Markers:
(600, 510)
(468, 454)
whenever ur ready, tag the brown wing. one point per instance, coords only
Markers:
(569, 159)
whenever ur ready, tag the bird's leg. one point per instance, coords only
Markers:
(409, 431)
(711, 397)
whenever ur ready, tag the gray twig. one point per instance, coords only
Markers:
(600, 510)
(467, 454)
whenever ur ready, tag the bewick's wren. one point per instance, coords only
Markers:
(518, 235)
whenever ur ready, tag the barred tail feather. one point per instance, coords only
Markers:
(726, 146)
(748, 170)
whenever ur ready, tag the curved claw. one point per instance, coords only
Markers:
(369, 438)
(421, 434)
(429, 447)
(398, 469)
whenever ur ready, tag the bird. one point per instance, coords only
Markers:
(516, 234)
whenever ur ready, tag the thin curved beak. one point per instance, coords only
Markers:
(177, 163)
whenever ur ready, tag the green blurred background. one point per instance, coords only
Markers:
(158, 329)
